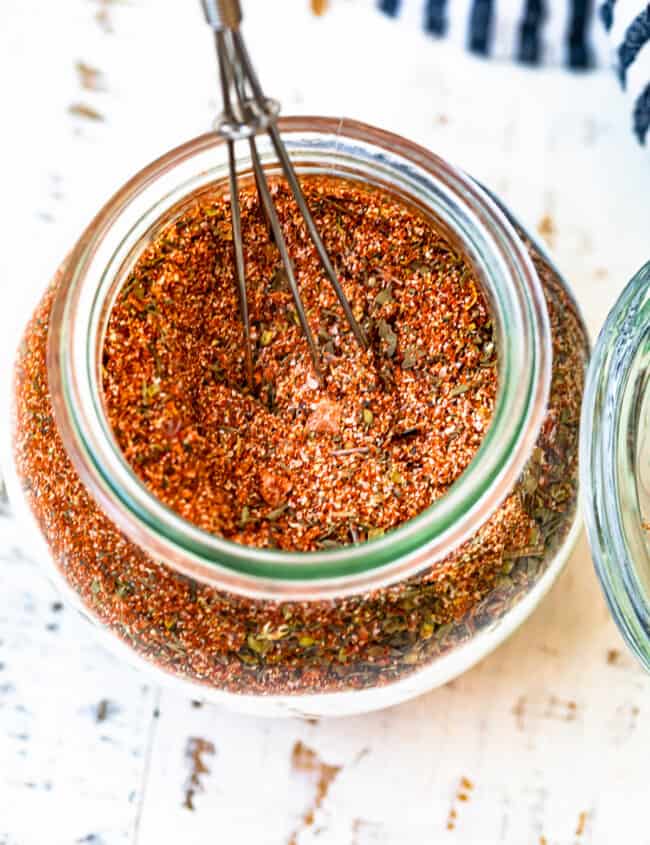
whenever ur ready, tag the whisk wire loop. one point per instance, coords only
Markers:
(238, 242)
(246, 113)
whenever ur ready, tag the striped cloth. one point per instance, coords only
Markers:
(579, 34)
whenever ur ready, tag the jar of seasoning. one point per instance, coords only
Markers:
(338, 627)
(615, 442)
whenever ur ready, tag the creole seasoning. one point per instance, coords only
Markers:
(295, 465)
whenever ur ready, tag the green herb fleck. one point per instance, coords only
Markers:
(388, 336)
(458, 390)
(277, 512)
(384, 296)
(410, 359)
(260, 645)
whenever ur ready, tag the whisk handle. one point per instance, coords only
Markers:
(222, 14)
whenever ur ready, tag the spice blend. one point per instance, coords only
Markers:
(295, 465)
(255, 646)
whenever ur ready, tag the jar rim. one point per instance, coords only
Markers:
(615, 422)
(524, 366)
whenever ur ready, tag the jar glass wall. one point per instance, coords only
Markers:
(335, 632)
(615, 443)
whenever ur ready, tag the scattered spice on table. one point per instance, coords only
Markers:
(85, 112)
(463, 792)
(103, 14)
(319, 7)
(305, 760)
(196, 750)
(90, 77)
(519, 711)
(546, 228)
(582, 821)
(103, 710)
(293, 465)
(254, 646)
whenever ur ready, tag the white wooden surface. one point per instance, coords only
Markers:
(552, 730)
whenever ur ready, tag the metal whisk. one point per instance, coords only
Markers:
(246, 113)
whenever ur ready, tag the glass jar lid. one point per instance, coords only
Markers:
(615, 462)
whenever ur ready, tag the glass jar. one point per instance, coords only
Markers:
(615, 465)
(320, 633)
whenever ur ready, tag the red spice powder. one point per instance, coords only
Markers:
(295, 465)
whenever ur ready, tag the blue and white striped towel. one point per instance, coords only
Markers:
(580, 34)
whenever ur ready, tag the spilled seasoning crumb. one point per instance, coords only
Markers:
(306, 761)
(103, 709)
(546, 228)
(463, 793)
(582, 820)
(90, 78)
(195, 753)
(103, 14)
(519, 711)
(86, 112)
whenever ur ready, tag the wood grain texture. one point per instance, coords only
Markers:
(545, 741)
(74, 728)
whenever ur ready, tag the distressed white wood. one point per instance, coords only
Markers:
(554, 724)
(74, 728)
